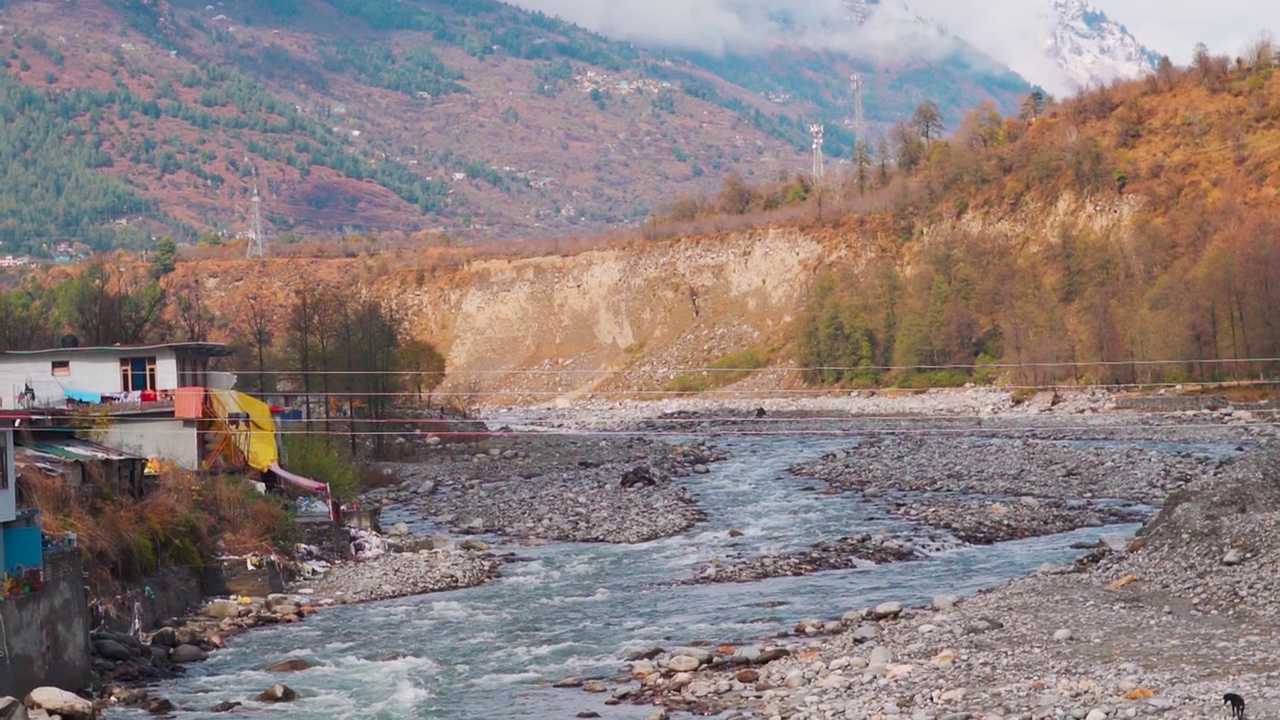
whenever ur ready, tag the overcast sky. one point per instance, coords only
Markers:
(1173, 27)
(1006, 29)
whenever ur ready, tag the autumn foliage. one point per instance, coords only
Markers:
(1125, 235)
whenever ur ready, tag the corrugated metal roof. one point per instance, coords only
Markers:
(81, 450)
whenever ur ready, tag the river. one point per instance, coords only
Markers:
(490, 652)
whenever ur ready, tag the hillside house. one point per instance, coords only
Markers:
(150, 398)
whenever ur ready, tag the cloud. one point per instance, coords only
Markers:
(1013, 32)
(719, 26)
(1173, 27)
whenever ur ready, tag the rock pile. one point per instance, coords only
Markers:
(122, 661)
(574, 507)
(1217, 543)
(982, 522)
(841, 554)
(443, 566)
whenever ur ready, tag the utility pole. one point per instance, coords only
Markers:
(818, 169)
(257, 243)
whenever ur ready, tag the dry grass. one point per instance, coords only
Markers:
(186, 521)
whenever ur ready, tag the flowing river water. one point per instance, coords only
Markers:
(576, 609)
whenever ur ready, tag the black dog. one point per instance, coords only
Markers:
(1237, 705)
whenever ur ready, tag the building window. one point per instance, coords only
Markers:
(137, 374)
(192, 371)
(61, 367)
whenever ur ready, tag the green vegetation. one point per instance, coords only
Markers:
(482, 27)
(52, 144)
(322, 458)
(723, 371)
(48, 166)
(416, 70)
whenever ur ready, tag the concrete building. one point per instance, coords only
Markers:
(149, 397)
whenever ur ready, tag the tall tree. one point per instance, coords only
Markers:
(909, 145)
(862, 166)
(1033, 105)
(254, 324)
(426, 364)
(105, 306)
(927, 120)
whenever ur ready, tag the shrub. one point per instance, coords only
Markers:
(321, 457)
(188, 520)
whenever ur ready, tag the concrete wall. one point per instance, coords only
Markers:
(46, 634)
(162, 437)
(169, 593)
(235, 577)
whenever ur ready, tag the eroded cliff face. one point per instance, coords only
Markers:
(625, 319)
(609, 320)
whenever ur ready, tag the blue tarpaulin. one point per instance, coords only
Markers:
(83, 396)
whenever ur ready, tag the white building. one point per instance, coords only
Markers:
(150, 397)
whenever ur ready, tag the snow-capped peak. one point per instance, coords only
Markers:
(1091, 48)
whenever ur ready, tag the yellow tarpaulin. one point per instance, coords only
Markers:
(254, 430)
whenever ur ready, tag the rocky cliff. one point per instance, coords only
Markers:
(605, 320)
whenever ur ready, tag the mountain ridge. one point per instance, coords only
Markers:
(469, 120)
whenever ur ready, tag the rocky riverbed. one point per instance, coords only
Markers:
(552, 487)
(1070, 467)
(1161, 626)
(985, 521)
(842, 554)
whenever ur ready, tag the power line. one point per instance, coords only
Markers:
(777, 369)
(632, 432)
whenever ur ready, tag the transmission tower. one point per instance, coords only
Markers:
(859, 118)
(257, 243)
(818, 170)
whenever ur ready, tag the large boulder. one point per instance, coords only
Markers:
(112, 650)
(165, 637)
(60, 702)
(278, 693)
(290, 665)
(187, 654)
(222, 609)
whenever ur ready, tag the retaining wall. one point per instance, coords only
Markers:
(45, 634)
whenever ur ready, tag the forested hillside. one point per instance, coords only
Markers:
(1084, 241)
(126, 119)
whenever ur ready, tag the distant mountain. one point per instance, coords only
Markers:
(121, 120)
(1091, 48)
